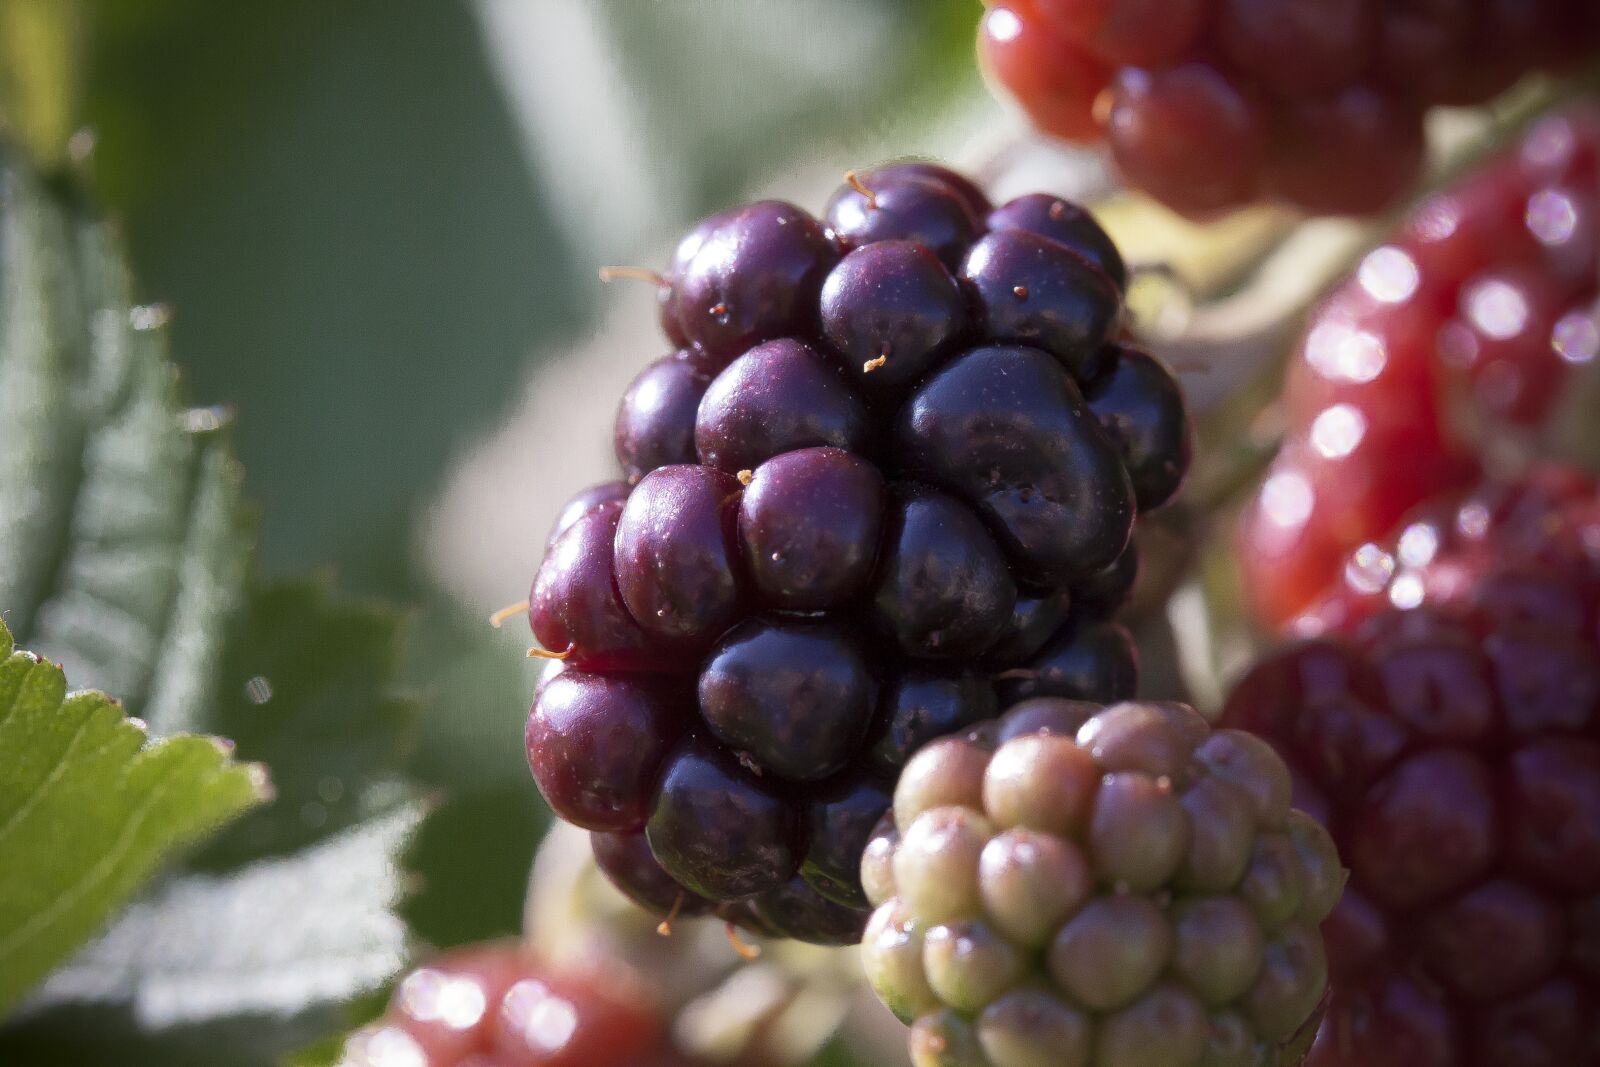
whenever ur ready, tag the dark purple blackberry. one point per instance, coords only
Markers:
(776, 398)
(964, 188)
(1032, 291)
(597, 741)
(1007, 429)
(717, 829)
(584, 501)
(1138, 402)
(1066, 224)
(841, 817)
(1107, 589)
(1034, 621)
(891, 311)
(943, 590)
(903, 207)
(1088, 659)
(676, 554)
(810, 523)
(628, 862)
(922, 705)
(871, 505)
(655, 421)
(790, 696)
(575, 609)
(754, 276)
(796, 910)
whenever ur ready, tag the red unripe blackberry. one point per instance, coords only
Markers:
(494, 1004)
(886, 486)
(1449, 738)
(1479, 311)
(1208, 105)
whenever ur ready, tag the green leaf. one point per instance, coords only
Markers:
(306, 689)
(124, 554)
(272, 938)
(89, 808)
(123, 541)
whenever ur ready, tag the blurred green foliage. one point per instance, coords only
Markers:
(337, 201)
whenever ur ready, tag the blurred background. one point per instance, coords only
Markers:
(377, 224)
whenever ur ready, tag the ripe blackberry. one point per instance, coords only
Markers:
(1098, 887)
(887, 482)
(1449, 739)
(493, 1006)
(1486, 294)
(1318, 103)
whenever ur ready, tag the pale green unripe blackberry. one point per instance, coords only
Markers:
(1083, 887)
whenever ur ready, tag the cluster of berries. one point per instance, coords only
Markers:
(1449, 738)
(1210, 105)
(1487, 293)
(885, 486)
(493, 1006)
(1088, 887)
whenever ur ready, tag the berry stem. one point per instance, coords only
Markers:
(854, 181)
(498, 618)
(634, 274)
(745, 950)
(535, 652)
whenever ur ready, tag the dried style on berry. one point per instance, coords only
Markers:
(888, 481)
(1449, 739)
(1320, 103)
(1078, 886)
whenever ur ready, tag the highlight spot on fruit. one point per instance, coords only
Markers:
(1339, 352)
(1287, 499)
(1337, 431)
(1389, 275)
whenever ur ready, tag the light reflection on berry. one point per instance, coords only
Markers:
(544, 1021)
(1369, 569)
(1341, 353)
(433, 996)
(1497, 308)
(1389, 275)
(1552, 217)
(1576, 337)
(384, 1046)
(1287, 499)
(1337, 431)
(1419, 543)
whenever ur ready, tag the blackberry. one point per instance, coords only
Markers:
(1452, 748)
(1479, 310)
(493, 1004)
(1118, 887)
(885, 485)
(1318, 103)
